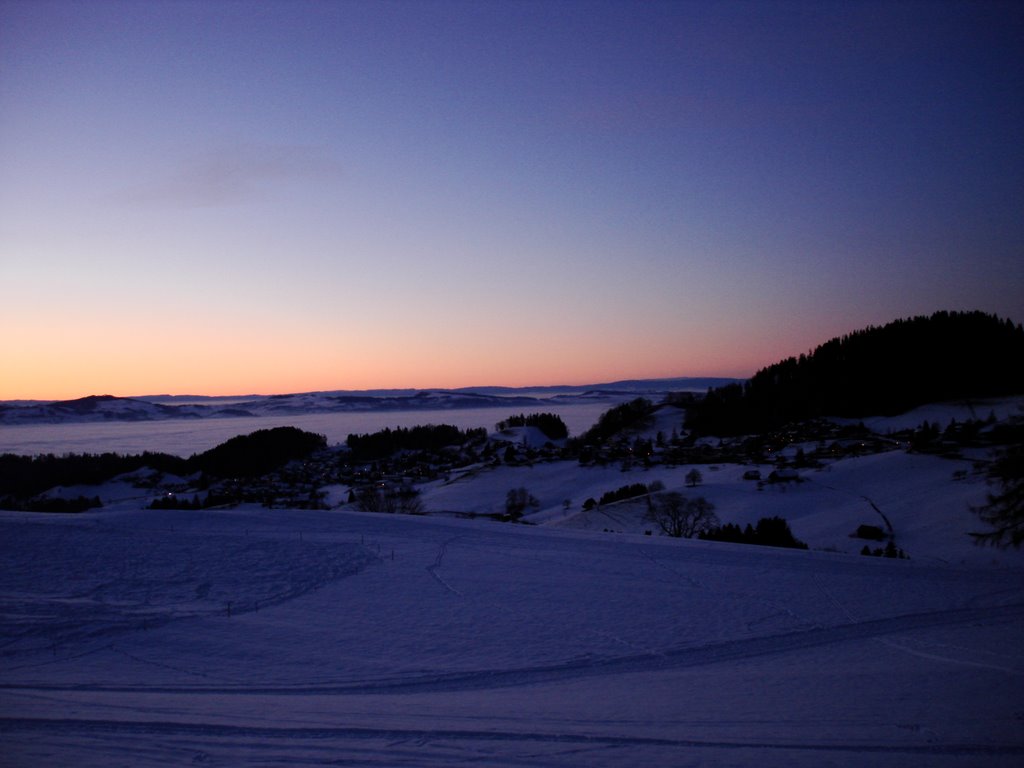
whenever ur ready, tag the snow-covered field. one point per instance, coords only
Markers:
(281, 637)
(270, 637)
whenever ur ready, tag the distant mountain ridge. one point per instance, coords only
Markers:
(100, 408)
(879, 371)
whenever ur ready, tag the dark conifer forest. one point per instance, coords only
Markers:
(257, 453)
(429, 437)
(877, 371)
(550, 424)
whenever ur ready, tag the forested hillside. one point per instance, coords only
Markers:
(252, 455)
(876, 371)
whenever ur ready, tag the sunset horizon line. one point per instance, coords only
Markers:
(368, 390)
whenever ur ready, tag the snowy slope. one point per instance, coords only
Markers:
(256, 637)
(920, 495)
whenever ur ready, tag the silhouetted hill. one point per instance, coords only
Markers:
(257, 453)
(877, 371)
(262, 451)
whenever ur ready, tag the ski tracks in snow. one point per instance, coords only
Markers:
(1013, 610)
(378, 744)
(433, 568)
(678, 657)
(778, 609)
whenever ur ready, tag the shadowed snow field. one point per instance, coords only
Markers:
(270, 637)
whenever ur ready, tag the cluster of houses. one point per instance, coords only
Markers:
(305, 484)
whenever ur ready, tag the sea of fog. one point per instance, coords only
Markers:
(184, 437)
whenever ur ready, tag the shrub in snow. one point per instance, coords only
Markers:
(516, 502)
(402, 499)
(871, 532)
(769, 532)
(890, 550)
(775, 532)
(624, 492)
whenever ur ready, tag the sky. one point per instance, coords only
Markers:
(234, 197)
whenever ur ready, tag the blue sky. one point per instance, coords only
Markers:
(229, 197)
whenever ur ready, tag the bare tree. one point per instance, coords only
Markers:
(681, 517)
(694, 478)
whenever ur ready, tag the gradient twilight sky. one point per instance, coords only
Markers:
(233, 197)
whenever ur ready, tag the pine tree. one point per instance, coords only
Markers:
(1004, 511)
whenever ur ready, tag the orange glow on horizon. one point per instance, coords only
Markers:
(155, 374)
(266, 383)
(63, 358)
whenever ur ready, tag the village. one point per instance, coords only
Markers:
(337, 477)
